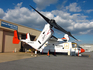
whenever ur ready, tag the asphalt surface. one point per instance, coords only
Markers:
(5, 57)
(59, 62)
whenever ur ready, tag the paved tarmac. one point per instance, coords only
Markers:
(4, 57)
(59, 62)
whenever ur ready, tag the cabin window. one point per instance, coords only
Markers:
(39, 41)
(62, 47)
(43, 32)
(74, 45)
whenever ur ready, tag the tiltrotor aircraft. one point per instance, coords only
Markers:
(47, 42)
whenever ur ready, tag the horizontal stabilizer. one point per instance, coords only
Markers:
(16, 38)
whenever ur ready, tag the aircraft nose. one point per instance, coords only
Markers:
(82, 50)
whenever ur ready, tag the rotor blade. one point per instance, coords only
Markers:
(71, 36)
(74, 38)
(63, 30)
(47, 20)
(60, 28)
(54, 24)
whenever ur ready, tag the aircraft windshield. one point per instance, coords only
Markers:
(74, 45)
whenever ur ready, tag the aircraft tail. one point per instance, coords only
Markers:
(43, 37)
(16, 37)
(28, 36)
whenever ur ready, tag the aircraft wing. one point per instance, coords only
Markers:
(53, 38)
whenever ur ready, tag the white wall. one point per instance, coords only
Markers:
(87, 47)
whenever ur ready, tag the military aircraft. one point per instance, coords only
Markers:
(47, 42)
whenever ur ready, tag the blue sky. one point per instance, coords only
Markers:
(75, 16)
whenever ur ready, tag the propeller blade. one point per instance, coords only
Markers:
(71, 35)
(61, 29)
(54, 24)
(47, 20)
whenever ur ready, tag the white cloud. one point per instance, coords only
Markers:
(41, 4)
(85, 32)
(73, 7)
(76, 23)
(19, 5)
(83, 28)
(88, 11)
(26, 17)
(84, 1)
(62, 5)
(1, 13)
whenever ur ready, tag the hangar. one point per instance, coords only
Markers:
(7, 32)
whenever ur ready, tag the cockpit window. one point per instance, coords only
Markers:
(74, 45)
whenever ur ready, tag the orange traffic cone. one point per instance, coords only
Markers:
(13, 51)
(48, 54)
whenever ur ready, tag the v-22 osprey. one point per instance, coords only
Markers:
(47, 42)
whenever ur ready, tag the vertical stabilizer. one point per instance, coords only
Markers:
(16, 38)
(46, 33)
(28, 36)
(43, 37)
